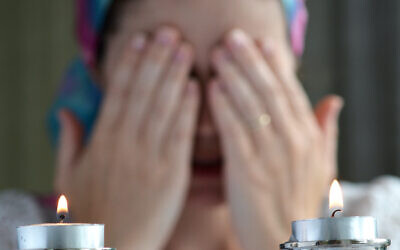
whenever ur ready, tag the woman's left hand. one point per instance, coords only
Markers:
(279, 154)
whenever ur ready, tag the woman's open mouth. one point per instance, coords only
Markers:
(207, 167)
(207, 182)
(207, 160)
(210, 169)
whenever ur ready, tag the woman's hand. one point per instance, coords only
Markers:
(134, 173)
(279, 155)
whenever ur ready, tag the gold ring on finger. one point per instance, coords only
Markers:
(264, 120)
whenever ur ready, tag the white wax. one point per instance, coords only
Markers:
(60, 235)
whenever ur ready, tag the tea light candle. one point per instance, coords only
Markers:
(61, 235)
(336, 232)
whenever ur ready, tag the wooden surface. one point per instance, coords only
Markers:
(351, 50)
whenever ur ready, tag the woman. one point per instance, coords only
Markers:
(204, 138)
(175, 80)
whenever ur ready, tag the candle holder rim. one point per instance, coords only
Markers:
(334, 218)
(335, 243)
(61, 224)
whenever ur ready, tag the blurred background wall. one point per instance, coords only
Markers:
(352, 50)
(36, 45)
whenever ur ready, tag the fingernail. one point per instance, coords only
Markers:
(237, 38)
(339, 102)
(138, 42)
(166, 36)
(182, 54)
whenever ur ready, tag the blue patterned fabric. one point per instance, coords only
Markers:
(79, 94)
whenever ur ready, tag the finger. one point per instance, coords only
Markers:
(148, 76)
(236, 142)
(284, 71)
(327, 112)
(247, 103)
(69, 145)
(119, 83)
(261, 78)
(179, 144)
(120, 50)
(168, 97)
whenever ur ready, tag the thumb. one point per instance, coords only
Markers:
(70, 143)
(327, 113)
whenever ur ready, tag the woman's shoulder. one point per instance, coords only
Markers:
(379, 198)
(18, 208)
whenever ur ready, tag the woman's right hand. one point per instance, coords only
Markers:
(133, 175)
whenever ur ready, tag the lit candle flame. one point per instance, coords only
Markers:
(335, 197)
(62, 205)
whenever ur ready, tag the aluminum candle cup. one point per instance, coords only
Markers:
(61, 236)
(335, 233)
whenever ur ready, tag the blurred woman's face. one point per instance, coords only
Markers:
(203, 23)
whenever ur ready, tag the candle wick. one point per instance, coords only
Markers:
(62, 218)
(334, 212)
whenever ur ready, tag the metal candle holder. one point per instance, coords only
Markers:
(71, 236)
(336, 233)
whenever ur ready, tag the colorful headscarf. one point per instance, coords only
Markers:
(80, 94)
